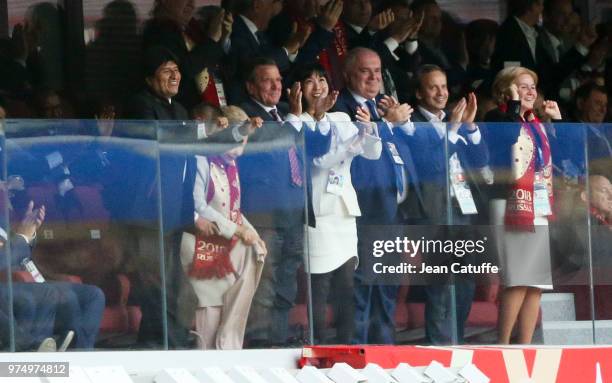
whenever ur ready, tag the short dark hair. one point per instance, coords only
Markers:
(550, 6)
(237, 6)
(256, 63)
(519, 7)
(424, 70)
(156, 56)
(417, 5)
(585, 90)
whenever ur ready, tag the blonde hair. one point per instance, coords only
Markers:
(505, 78)
(234, 114)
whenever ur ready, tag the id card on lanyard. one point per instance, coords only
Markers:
(460, 187)
(335, 183)
(396, 157)
(541, 203)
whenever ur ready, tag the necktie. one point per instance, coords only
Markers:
(294, 161)
(372, 109)
(275, 115)
(387, 137)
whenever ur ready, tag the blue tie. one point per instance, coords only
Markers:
(387, 137)
(372, 109)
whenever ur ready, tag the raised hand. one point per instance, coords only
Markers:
(363, 115)
(295, 99)
(106, 121)
(469, 114)
(32, 220)
(299, 35)
(228, 24)
(385, 103)
(399, 113)
(513, 92)
(215, 28)
(551, 109)
(331, 14)
(458, 111)
(220, 124)
(324, 104)
(381, 20)
(250, 126)
(406, 29)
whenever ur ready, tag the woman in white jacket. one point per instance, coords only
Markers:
(332, 238)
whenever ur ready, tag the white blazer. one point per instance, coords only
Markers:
(346, 143)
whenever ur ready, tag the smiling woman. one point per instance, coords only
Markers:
(524, 200)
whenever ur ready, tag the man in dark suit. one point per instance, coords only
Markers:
(382, 191)
(445, 146)
(519, 43)
(139, 175)
(249, 39)
(273, 182)
(591, 108)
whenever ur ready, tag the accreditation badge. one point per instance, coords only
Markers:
(460, 187)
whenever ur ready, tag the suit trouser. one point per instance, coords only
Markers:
(275, 296)
(440, 312)
(34, 307)
(79, 309)
(375, 301)
(338, 285)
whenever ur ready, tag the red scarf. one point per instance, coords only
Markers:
(520, 211)
(332, 58)
(211, 258)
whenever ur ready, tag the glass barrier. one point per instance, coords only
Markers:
(598, 238)
(180, 235)
(97, 253)
(239, 232)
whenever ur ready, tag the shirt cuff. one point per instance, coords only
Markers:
(453, 137)
(582, 49)
(238, 137)
(406, 127)
(475, 136)
(294, 121)
(324, 126)
(25, 238)
(201, 131)
(291, 57)
(411, 46)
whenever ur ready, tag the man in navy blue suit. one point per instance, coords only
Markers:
(446, 145)
(382, 191)
(273, 182)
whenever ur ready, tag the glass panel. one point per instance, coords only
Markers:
(226, 203)
(599, 237)
(6, 295)
(97, 250)
(567, 309)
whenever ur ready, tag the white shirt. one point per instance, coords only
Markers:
(530, 34)
(441, 128)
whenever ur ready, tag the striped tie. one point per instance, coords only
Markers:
(294, 161)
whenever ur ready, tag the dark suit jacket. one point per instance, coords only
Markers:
(431, 155)
(269, 199)
(512, 45)
(374, 180)
(244, 49)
